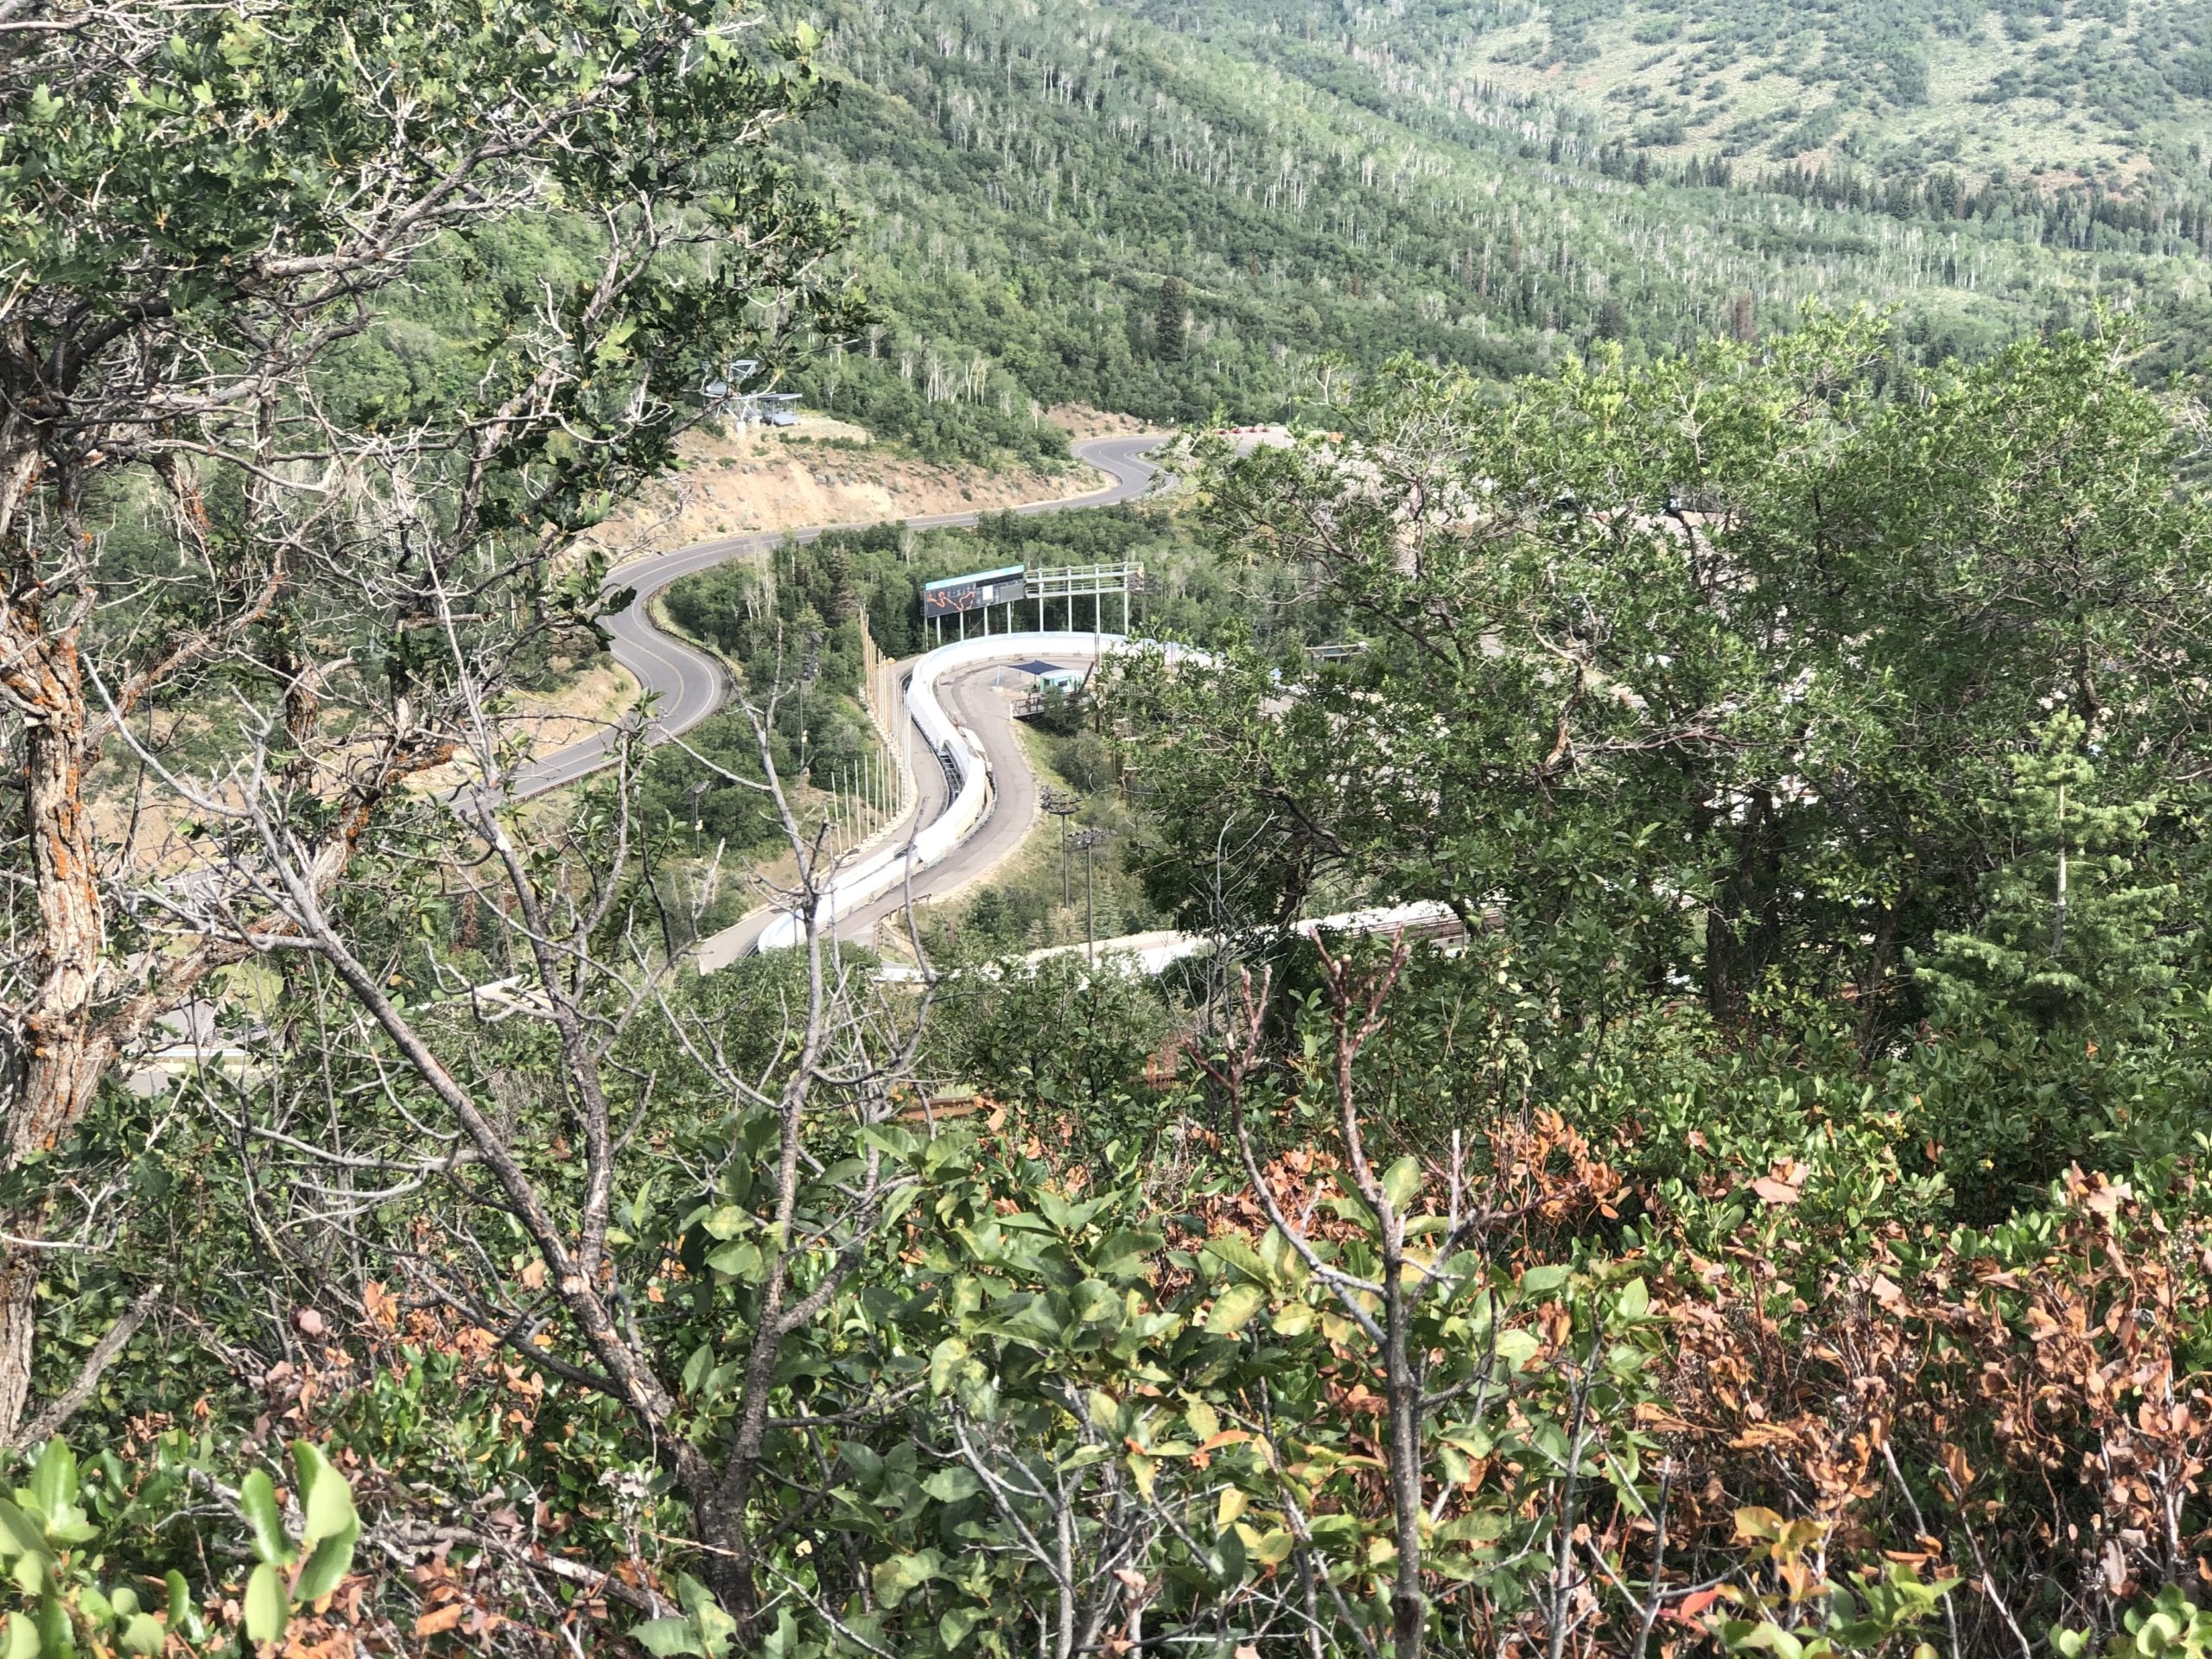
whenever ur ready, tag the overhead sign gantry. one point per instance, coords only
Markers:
(979, 592)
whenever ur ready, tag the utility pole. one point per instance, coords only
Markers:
(1087, 840)
(1060, 803)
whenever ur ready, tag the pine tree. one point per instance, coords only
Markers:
(1170, 323)
(2068, 936)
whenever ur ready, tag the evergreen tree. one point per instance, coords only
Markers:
(2058, 1025)
(1171, 329)
(2068, 935)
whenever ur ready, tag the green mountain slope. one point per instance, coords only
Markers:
(1170, 209)
(2069, 89)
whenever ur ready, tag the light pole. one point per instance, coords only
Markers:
(1087, 840)
(809, 670)
(1060, 803)
(698, 804)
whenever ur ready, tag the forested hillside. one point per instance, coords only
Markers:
(1174, 208)
(2116, 89)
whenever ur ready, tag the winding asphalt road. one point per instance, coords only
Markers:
(689, 683)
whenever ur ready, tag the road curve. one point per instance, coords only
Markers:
(690, 683)
(993, 797)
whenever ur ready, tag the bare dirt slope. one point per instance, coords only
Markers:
(1080, 420)
(820, 472)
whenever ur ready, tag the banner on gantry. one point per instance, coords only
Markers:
(972, 593)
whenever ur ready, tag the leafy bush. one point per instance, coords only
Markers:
(70, 1546)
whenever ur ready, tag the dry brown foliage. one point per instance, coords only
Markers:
(2043, 1428)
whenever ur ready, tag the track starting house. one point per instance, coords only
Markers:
(957, 598)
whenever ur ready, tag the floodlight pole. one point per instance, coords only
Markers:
(1061, 803)
(1088, 840)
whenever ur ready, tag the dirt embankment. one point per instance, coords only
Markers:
(820, 472)
(1080, 420)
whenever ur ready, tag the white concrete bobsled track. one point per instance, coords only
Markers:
(888, 868)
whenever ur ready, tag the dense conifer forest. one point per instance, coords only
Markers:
(1325, 190)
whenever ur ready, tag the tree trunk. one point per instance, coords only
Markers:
(1743, 928)
(1403, 1381)
(60, 1054)
(721, 1509)
(725, 1564)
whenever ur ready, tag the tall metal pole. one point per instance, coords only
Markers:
(1061, 804)
(1088, 840)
